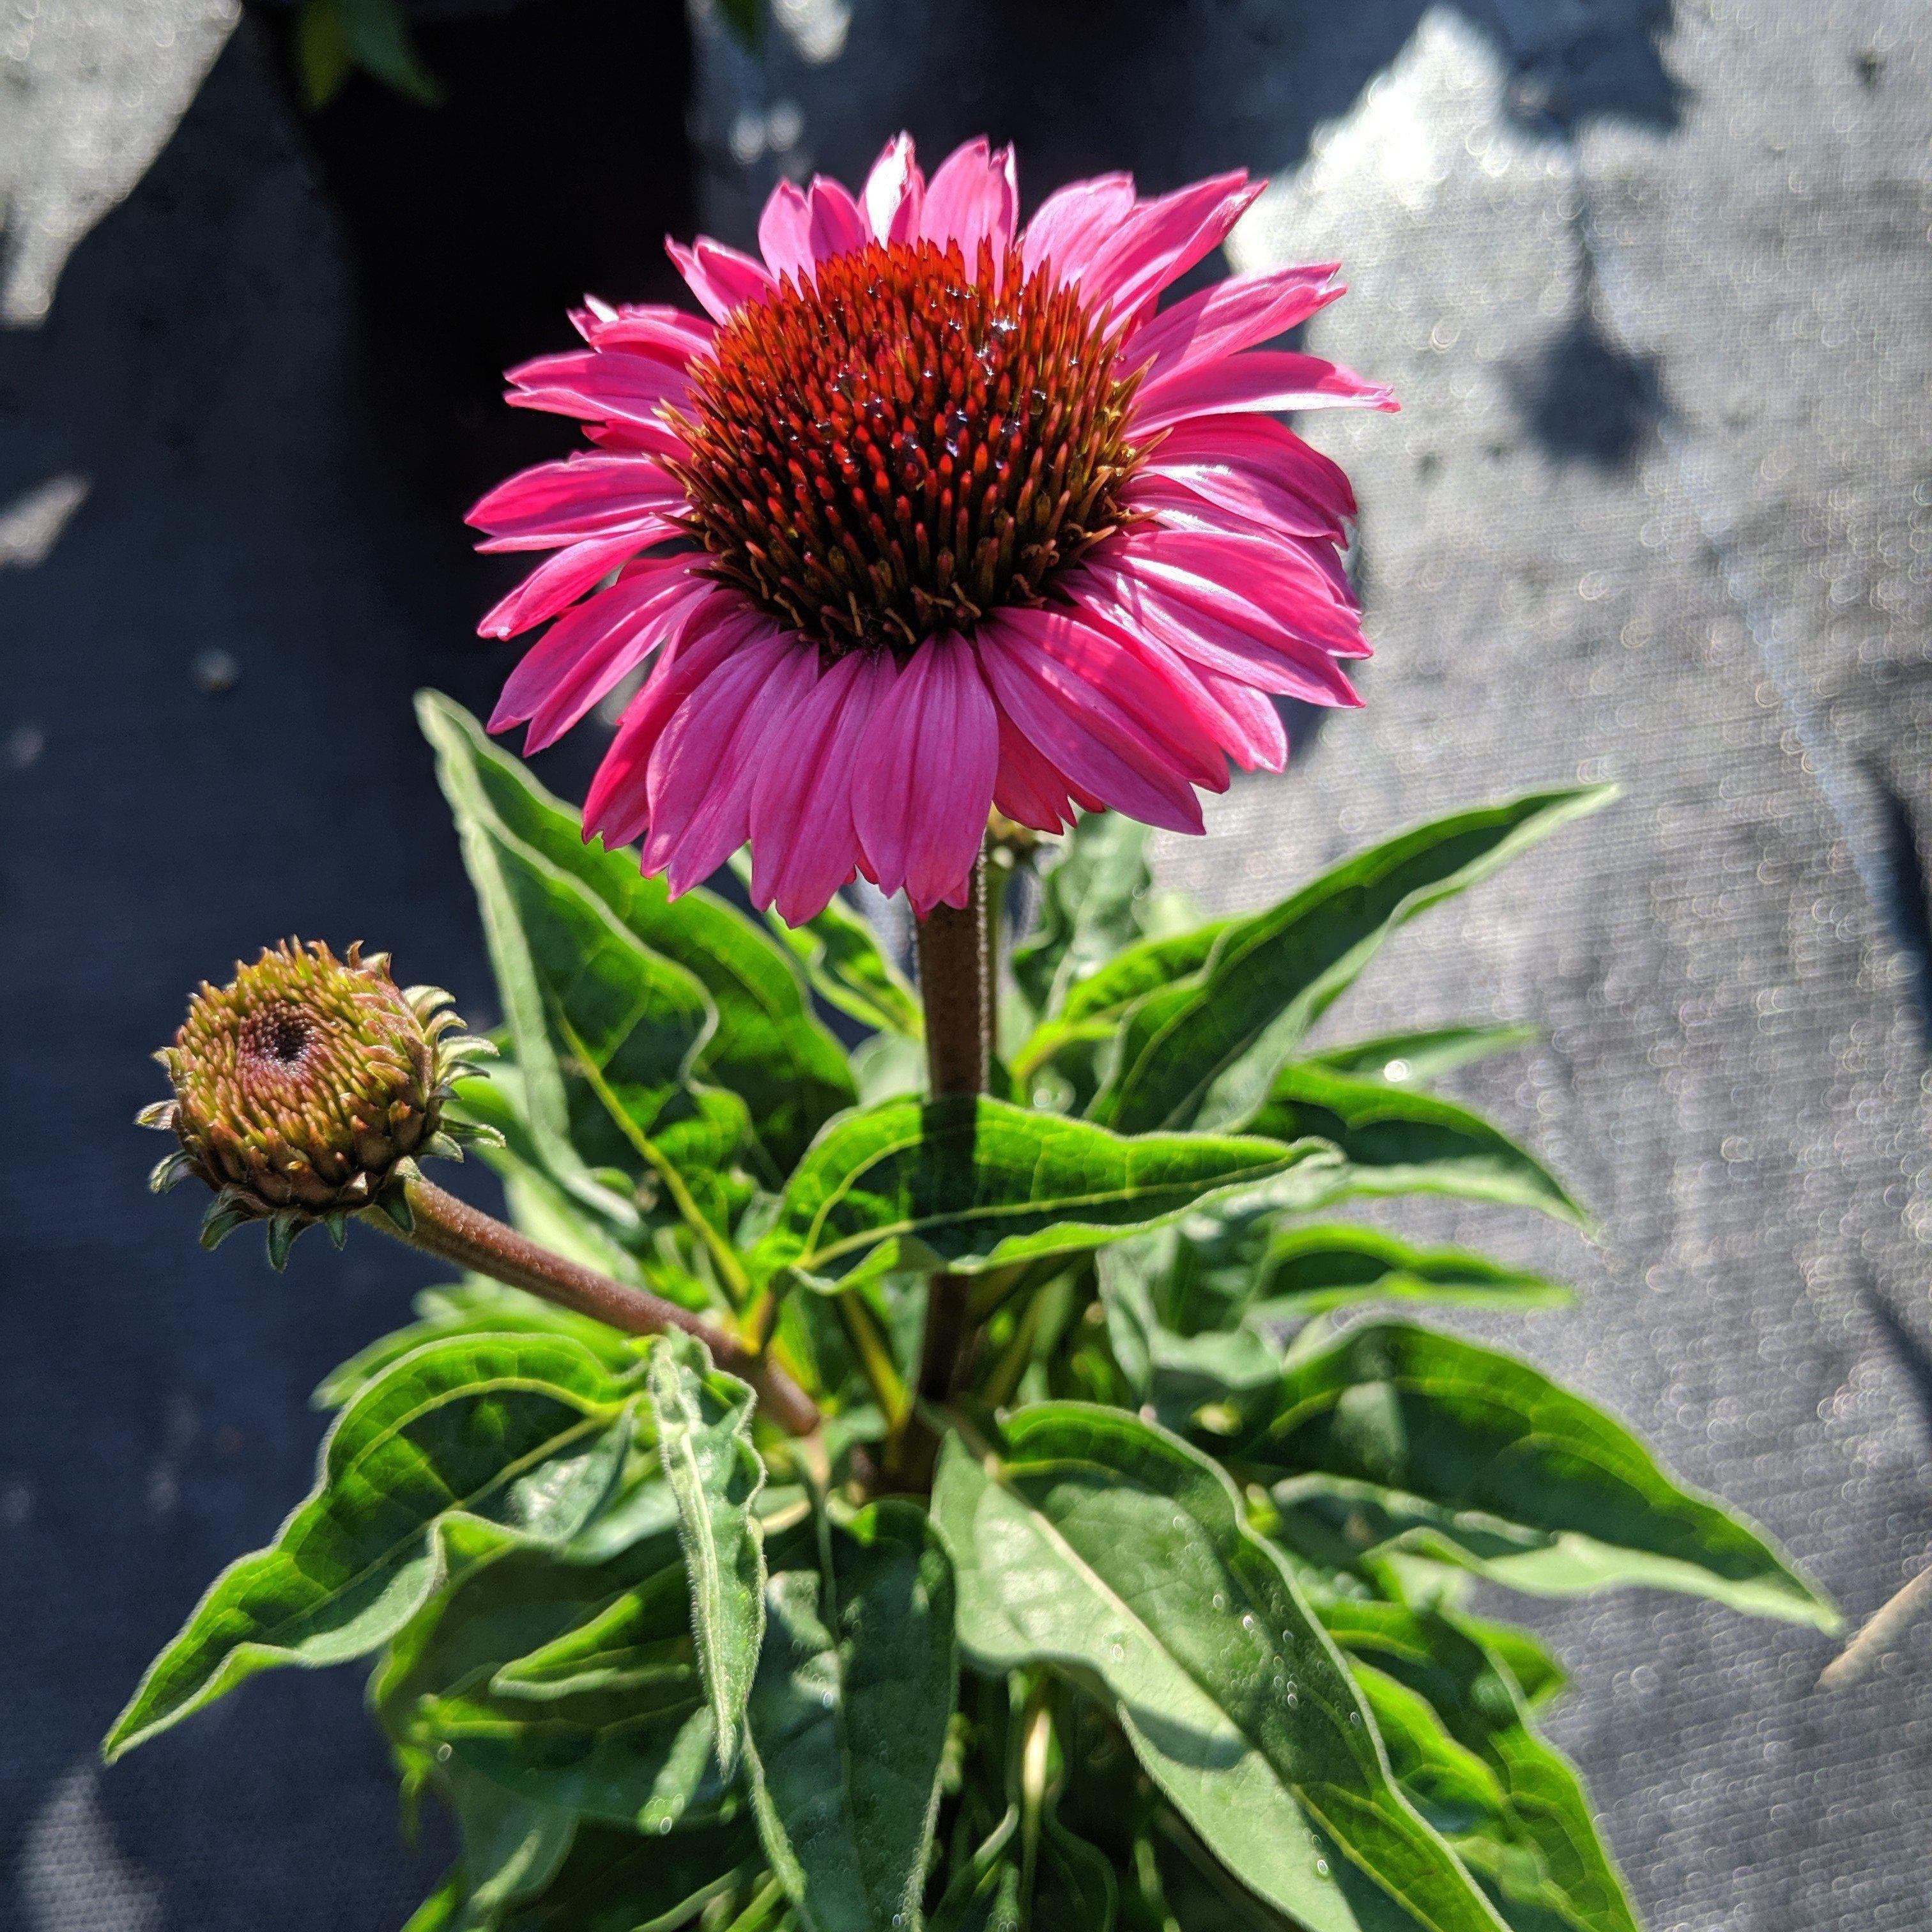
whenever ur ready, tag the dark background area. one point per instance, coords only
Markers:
(1654, 283)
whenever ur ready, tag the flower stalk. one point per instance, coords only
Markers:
(439, 1224)
(955, 985)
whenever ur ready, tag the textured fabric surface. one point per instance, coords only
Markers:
(1654, 284)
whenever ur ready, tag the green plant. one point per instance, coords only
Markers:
(1064, 1556)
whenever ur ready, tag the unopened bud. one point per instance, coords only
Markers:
(306, 1089)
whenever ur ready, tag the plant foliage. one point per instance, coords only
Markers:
(1179, 1638)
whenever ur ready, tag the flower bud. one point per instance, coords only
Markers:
(305, 1089)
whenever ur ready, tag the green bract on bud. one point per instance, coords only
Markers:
(305, 1089)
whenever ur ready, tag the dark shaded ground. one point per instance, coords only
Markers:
(1656, 293)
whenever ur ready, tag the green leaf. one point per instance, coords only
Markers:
(471, 1308)
(616, 1881)
(1306, 1271)
(971, 1185)
(379, 36)
(561, 955)
(704, 1438)
(767, 1046)
(1094, 1006)
(1395, 1141)
(1091, 1540)
(323, 59)
(849, 1715)
(1432, 1443)
(1095, 899)
(517, 1437)
(1203, 1052)
(841, 959)
(610, 1718)
(1416, 1059)
(1538, 1844)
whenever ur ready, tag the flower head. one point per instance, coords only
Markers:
(929, 514)
(305, 1088)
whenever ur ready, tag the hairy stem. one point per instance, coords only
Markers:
(955, 987)
(454, 1232)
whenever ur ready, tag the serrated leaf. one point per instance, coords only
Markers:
(1395, 1141)
(969, 1185)
(768, 1046)
(849, 1715)
(1536, 1843)
(1415, 1059)
(841, 957)
(1203, 1052)
(704, 1441)
(1089, 1540)
(520, 1438)
(1426, 1441)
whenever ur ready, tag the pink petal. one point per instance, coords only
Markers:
(704, 767)
(590, 382)
(895, 191)
(618, 803)
(1162, 240)
(837, 226)
(631, 600)
(1263, 379)
(803, 846)
(1290, 582)
(1072, 723)
(682, 599)
(1237, 717)
(1029, 788)
(1077, 656)
(720, 278)
(920, 801)
(1231, 315)
(1288, 488)
(559, 580)
(785, 234)
(649, 439)
(974, 198)
(1072, 222)
(1227, 635)
(671, 333)
(556, 503)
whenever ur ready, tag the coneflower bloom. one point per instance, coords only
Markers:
(928, 513)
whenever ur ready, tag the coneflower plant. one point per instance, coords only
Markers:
(983, 1478)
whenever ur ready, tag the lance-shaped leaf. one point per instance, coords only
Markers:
(969, 1185)
(1091, 1540)
(1094, 1006)
(1302, 1271)
(840, 958)
(1415, 1059)
(768, 1047)
(559, 953)
(1536, 1841)
(849, 1714)
(617, 1881)
(1202, 1052)
(1396, 1141)
(610, 1718)
(1402, 1436)
(520, 1438)
(704, 1441)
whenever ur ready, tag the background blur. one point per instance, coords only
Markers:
(1653, 282)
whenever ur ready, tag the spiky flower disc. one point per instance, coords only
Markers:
(305, 1088)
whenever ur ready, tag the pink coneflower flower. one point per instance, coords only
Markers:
(929, 513)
